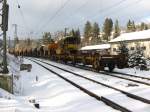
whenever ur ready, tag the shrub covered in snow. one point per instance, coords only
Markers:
(137, 59)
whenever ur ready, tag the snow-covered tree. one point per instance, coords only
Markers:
(137, 59)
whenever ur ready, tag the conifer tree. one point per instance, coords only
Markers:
(78, 35)
(95, 32)
(137, 59)
(107, 28)
(116, 29)
(144, 26)
(28, 42)
(87, 30)
(47, 38)
(133, 26)
(129, 26)
(72, 32)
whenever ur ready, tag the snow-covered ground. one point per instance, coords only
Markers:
(56, 95)
(52, 93)
(103, 91)
(134, 72)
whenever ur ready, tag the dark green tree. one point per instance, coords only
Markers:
(72, 32)
(116, 29)
(47, 38)
(133, 27)
(129, 26)
(143, 26)
(95, 32)
(87, 30)
(78, 35)
(28, 41)
(107, 28)
(137, 59)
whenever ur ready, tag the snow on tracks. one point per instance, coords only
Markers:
(125, 97)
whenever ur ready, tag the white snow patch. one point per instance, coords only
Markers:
(96, 47)
(139, 35)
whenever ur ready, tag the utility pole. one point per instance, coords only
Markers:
(15, 34)
(5, 11)
(9, 43)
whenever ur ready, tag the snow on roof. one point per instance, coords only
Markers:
(139, 35)
(96, 47)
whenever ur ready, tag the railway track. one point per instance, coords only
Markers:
(140, 80)
(140, 77)
(105, 100)
(137, 79)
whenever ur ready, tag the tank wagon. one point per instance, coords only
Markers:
(68, 50)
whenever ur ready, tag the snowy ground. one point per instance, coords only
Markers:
(55, 95)
(134, 72)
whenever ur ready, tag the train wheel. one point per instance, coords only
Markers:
(111, 67)
(83, 62)
(120, 66)
(96, 65)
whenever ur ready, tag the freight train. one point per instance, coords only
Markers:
(68, 50)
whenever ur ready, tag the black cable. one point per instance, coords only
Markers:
(22, 15)
(54, 15)
(107, 8)
(119, 3)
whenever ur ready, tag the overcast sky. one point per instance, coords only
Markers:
(37, 16)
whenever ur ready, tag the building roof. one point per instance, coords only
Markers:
(139, 35)
(96, 47)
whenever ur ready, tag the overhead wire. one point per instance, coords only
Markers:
(23, 17)
(54, 15)
(114, 11)
(105, 9)
(82, 6)
(78, 9)
(123, 8)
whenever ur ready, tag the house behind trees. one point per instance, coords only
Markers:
(140, 38)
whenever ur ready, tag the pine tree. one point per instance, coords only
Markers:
(116, 29)
(107, 28)
(28, 42)
(47, 38)
(78, 35)
(95, 32)
(137, 59)
(87, 30)
(72, 32)
(144, 26)
(129, 26)
(133, 27)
